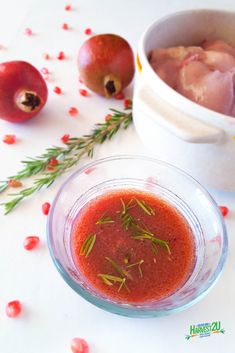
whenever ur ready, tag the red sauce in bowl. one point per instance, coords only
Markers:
(133, 247)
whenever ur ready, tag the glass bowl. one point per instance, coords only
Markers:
(164, 181)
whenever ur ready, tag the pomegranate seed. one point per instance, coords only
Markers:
(57, 90)
(80, 80)
(53, 161)
(44, 71)
(108, 117)
(83, 92)
(13, 183)
(13, 308)
(119, 95)
(61, 55)
(79, 345)
(28, 32)
(73, 111)
(65, 26)
(89, 170)
(127, 103)
(88, 31)
(9, 139)
(46, 208)
(65, 138)
(68, 7)
(46, 56)
(31, 242)
(224, 210)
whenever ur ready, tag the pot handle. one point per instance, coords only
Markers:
(183, 126)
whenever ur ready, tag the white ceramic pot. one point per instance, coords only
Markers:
(194, 138)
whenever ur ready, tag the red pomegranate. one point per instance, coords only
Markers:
(106, 64)
(23, 91)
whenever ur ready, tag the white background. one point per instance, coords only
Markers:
(52, 313)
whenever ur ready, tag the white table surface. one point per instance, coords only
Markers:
(52, 312)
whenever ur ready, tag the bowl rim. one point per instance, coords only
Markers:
(166, 89)
(125, 309)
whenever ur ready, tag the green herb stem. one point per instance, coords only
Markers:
(68, 156)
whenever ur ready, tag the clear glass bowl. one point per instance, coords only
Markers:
(164, 181)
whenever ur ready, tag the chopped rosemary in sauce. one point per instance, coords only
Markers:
(155, 241)
(88, 245)
(110, 280)
(104, 220)
(139, 266)
(138, 232)
(118, 268)
(146, 208)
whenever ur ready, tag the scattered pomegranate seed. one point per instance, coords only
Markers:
(13, 308)
(79, 345)
(73, 111)
(88, 31)
(108, 117)
(127, 103)
(46, 56)
(45, 71)
(46, 208)
(61, 55)
(31, 242)
(80, 80)
(65, 26)
(89, 170)
(53, 161)
(57, 90)
(119, 95)
(28, 32)
(13, 183)
(83, 92)
(224, 210)
(65, 138)
(68, 7)
(9, 139)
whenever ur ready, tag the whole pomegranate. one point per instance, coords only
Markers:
(106, 64)
(23, 91)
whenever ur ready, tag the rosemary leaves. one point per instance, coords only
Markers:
(88, 245)
(138, 232)
(75, 148)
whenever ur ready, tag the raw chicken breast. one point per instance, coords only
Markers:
(205, 74)
(211, 89)
(168, 62)
(218, 45)
(219, 61)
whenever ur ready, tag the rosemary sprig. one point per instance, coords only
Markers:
(88, 245)
(104, 220)
(68, 156)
